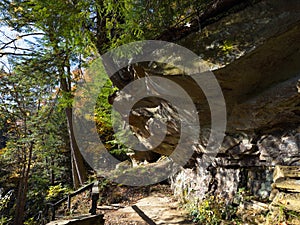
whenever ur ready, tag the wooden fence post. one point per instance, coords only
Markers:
(69, 202)
(95, 197)
(53, 212)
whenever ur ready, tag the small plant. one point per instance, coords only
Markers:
(227, 47)
(212, 211)
(275, 216)
(293, 214)
(243, 195)
(280, 215)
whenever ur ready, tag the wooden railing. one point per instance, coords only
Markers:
(94, 193)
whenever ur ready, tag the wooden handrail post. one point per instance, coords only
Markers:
(69, 202)
(53, 212)
(95, 197)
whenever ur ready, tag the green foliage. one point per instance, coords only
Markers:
(243, 195)
(281, 215)
(35, 133)
(73, 33)
(148, 19)
(103, 184)
(212, 211)
(103, 107)
(30, 221)
(227, 46)
(292, 214)
(103, 119)
(56, 192)
(78, 23)
(66, 100)
(4, 220)
(103, 110)
(120, 154)
(103, 113)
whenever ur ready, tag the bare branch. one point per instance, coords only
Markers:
(21, 49)
(8, 69)
(12, 41)
(15, 54)
(3, 33)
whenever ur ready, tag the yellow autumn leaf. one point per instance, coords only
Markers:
(18, 9)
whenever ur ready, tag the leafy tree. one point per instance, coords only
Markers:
(28, 101)
(64, 35)
(56, 21)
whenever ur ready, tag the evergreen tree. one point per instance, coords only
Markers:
(64, 35)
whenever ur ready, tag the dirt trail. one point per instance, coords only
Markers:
(158, 208)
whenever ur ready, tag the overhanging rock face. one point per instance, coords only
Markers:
(264, 82)
(262, 95)
(261, 92)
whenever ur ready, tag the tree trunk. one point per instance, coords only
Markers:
(19, 214)
(79, 171)
(22, 190)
